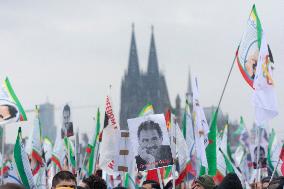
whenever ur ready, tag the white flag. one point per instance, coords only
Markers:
(264, 97)
(201, 128)
(110, 140)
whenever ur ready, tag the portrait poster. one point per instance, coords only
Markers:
(262, 151)
(150, 143)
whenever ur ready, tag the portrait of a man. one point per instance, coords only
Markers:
(152, 151)
(262, 157)
(8, 112)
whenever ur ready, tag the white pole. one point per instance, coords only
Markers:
(160, 178)
(274, 171)
(174, 160)
(258, 165)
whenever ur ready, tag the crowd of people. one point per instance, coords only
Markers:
(67, 180)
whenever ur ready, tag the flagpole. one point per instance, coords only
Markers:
(274, 171)
(228, 77)
(3, 145)
(160, 178)
(258, 166)
(174, 160)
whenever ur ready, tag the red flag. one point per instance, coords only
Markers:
(168, 119)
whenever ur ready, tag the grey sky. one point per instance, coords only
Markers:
(70, 51)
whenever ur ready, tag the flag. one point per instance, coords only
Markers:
(47, 147)
(58, 153)
(70, 150)
(264, 97)
(247, 52)
(40, 179)
(211, 153)
(9, 99)
(187, 129)
(147, 110)
(201, 128)
(37, 160)
(4, 168)
(240, 129)
(11, 176)
(22, 163)
(93, 145)
(110, 140)
(274, 149)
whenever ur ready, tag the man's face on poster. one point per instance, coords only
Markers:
(151, 141)
(5, 113)
(251, 64)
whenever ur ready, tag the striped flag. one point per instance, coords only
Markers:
(10, 102)
(93, 145)
(147, 110)
(22, 163)
(58, 153)
(37, 160)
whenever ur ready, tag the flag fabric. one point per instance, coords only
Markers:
(187, 129)
(109, 140)
(147, 110)
(22, 163)
(274, 149)
(4, 168)
(247, 52)
(93, 145)
(201, 128)
(58, 153)
(8, 98)
(12, 176)
(40, 179)
(37, 160)
(264, 97)
(178, 144)
(211, 153)
(47, 148)
(70, 150)
(240, 129)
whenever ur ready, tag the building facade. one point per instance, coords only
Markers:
(46, 117)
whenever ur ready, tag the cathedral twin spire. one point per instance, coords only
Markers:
(133, 63)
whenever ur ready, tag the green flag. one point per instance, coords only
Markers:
(211, 153)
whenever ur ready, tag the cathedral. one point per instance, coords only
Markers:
(139, 88)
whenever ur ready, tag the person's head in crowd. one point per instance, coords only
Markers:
(94, 182)
(64, 179)
(81, 187)
(276, 183)
(203, 182)
(150, 184)
(231, 181)
(11, 186)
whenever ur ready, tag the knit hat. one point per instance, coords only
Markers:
(206, 181)
(231, 181)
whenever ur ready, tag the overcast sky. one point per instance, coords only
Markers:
(71, 51)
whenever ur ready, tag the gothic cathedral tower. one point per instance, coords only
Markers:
(139, 89)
